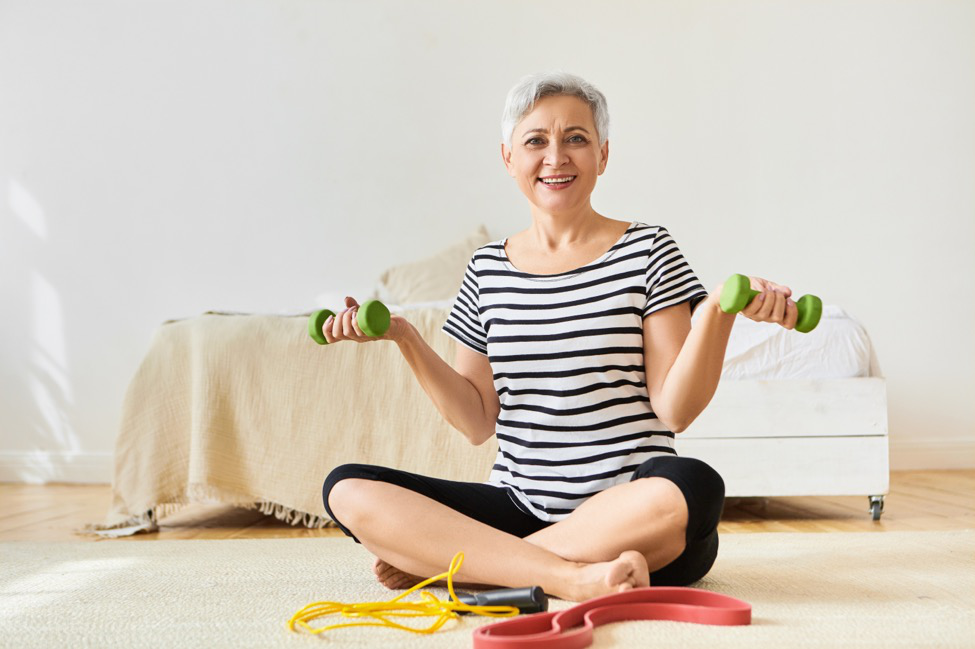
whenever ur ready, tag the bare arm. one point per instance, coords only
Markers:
(683, 363)
(464, 394)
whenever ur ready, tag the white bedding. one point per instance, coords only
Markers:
(839, 348)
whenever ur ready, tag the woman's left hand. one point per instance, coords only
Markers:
(773, 304)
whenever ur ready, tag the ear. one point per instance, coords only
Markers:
(506, 158)
(603, 157)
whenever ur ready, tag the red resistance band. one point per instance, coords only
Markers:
(573, 627)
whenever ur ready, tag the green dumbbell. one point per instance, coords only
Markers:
(738, 293)
(373, 319)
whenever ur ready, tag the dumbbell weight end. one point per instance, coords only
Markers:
(810, 311)
(315, 323)
(373, 318)
(737, 293)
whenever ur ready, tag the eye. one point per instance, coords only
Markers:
(578, 139)
(534, 141)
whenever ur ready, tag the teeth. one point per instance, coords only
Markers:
(557, 181)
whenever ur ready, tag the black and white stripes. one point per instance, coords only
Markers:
(567, 355)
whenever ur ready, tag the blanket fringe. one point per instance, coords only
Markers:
(148, 521)
(145, 522)
(291, 516)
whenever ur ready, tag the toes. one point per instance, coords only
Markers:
(387, 575)
(641, 573)
(398, 582)
(628, 572)
(392, 577)
(387, 572)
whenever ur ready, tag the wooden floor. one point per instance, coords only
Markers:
(918, 500)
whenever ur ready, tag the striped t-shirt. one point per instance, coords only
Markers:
(566, 351)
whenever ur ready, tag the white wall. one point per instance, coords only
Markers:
(159, 159)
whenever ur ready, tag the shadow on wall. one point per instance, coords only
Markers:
(41, 395)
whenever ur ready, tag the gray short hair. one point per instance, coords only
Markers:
(522, 98)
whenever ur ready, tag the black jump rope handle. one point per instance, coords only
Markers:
(527, 600)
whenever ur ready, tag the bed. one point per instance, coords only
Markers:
(246, 410)
(798, 414)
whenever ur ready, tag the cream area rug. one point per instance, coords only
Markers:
(883, 589)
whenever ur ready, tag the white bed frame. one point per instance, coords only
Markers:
(796, 438)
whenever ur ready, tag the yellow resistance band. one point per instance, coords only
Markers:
(380, 612)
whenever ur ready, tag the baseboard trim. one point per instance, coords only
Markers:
(917, 454)
(39, 467)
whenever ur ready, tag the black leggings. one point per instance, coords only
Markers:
(701, 485)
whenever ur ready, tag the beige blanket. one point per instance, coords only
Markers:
(248, 410)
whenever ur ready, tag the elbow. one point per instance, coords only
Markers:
(668, 413)
(484, 429)
(677, 422)
(682, 424)
(676, 426)
(477, 438)
(677, 416)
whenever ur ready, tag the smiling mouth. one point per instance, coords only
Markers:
(556, 182)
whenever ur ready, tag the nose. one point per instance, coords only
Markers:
(555, 154)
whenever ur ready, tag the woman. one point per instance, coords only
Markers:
(575, 348)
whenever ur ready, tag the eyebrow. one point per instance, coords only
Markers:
(568, 128)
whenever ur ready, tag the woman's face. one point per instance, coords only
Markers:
(555, 155)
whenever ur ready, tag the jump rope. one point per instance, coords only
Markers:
(568, 629)
(380, 613)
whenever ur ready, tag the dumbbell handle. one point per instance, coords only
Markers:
(373, 319)
(738, 293)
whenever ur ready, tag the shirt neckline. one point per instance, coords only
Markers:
(569, 273)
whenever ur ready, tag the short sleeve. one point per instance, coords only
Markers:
(670, 279)
(464, 320)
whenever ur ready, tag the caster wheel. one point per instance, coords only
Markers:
(876, 507)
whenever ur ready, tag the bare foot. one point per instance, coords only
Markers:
(392, 577)
(626, 572)
(395, 579)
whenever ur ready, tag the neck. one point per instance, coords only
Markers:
(554, 231)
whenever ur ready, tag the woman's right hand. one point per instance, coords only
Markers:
(344, 326)
(773, 304)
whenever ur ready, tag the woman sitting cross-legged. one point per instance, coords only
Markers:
(575, 349)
